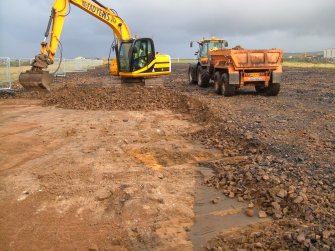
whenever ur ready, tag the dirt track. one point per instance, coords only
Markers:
(121, 166)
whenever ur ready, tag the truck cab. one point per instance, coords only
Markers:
(198, 71)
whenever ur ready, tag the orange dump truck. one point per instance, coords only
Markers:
(231, 69)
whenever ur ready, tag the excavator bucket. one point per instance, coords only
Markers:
(36, 80)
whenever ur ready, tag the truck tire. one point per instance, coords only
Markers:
(191, 79)
(273, 89)
(202, 77)
(228, 90)
(218, 83)
(260, 89)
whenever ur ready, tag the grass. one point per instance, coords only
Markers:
(68, 64)
(309, 65)
(180, 60)
(285, 63)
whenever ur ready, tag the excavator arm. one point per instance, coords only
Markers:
(37, 77)
(94, 8)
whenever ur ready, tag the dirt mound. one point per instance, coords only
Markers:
(134, 98)
(127, 98)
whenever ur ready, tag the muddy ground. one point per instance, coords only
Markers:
(97, 166)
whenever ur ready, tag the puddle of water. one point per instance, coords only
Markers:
(211, 219)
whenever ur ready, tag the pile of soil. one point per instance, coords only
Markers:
(135, 98)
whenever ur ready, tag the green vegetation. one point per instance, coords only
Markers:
(182, 60)
(308, 64)
(307, 60)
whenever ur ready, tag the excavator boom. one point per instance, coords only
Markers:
(39, 77)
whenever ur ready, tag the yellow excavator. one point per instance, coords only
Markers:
(135, 59)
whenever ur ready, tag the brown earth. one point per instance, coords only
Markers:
(97, 166)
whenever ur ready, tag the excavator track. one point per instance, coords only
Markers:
(147, 82)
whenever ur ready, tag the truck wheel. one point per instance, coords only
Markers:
(273, 89)
(260, 89)
(218, 83)
(191, 79)
(228, 90)
(202, 77)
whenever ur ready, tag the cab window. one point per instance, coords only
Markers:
(203, 50)
(143, 53)
(124, 56)
(214, 46)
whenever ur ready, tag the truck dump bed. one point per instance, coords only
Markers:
(243, 59)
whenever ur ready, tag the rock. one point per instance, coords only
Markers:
(262, 214)
(219, 249)
(103, 195)
(160, 176)
(298, 200)
(307, 243)
(282, 193)
(287, 236)
(293, 196)
(125, 120)
(276, 206)
(231, 195)
(277, 215)
(301, 238)
(265, 177)
(326, 234)
(215, 201)
(248, 176)
(251, 205)
(258, 245)
(304, 196)
(249, 136)
(255, 234)
(250, 212)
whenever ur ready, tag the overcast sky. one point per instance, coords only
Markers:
(294, 25)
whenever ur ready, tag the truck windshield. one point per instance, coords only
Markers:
(215, 46)
(124, 56)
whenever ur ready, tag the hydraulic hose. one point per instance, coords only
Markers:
(100, 4)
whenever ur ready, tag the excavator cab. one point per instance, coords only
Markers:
(137, 59)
